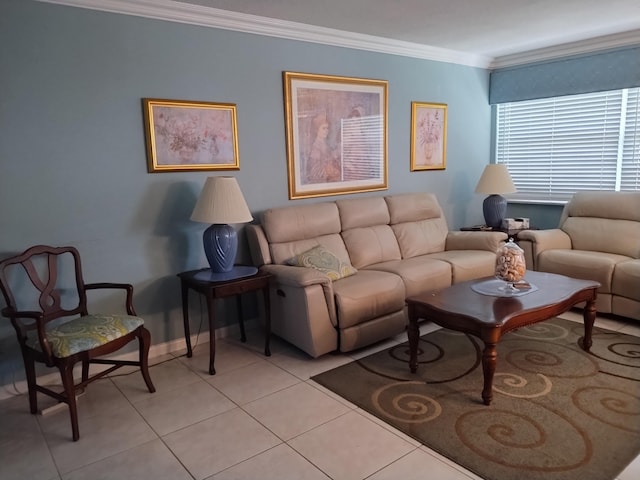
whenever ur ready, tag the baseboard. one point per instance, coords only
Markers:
(156, 351)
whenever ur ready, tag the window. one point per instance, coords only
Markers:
(554, 147)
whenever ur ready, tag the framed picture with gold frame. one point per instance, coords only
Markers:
(187, 135)
(336, 129)
(428, 136)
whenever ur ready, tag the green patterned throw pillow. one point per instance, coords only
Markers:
(324, 261)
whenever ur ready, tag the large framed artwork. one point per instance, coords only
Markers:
(428, 136)
(336, 131)
(185, 135)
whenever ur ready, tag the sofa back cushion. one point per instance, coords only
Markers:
(604, 235)
(362, 212)
(418, 223)
(293, 230)
(604, 221)
(604, 204)
(366, 231)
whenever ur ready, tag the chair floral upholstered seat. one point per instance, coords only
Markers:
(85, 333)
(45, 338)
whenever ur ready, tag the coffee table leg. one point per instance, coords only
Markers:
(489, 360)
(413, 333)
(589, 317)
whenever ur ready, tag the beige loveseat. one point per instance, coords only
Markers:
(598, 238)
(400, 246)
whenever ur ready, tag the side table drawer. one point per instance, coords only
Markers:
(244, 286)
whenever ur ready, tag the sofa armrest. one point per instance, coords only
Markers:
(534, 242)
(296, 276)
(258, 245)
(490, 241)
(302, 277)
(546, 239)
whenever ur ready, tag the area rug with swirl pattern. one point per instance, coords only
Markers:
(557, 411)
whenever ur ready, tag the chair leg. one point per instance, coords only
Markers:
(66, 372)
(30, 371)
(144, 339)
(85, 370)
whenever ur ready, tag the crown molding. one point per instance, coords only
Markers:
(180, 12)
(223, 19)
(592, 45)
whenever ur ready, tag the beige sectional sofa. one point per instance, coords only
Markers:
(400, 246)
(598, 238)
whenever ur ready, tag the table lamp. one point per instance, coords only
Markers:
(221, 203)
(495, 181)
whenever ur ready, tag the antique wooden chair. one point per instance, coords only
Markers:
(50, 287)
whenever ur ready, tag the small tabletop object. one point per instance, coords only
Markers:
(239, 280)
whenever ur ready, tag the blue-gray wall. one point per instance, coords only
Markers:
(72, 154)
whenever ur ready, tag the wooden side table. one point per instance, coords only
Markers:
(513, 232)
(201, 282)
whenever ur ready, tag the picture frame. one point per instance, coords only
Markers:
(428, 136)
(186, 135)
(336, 133)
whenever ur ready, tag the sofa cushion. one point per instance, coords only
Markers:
(324, 261)
(370, 245)
(288, 224)
(281, 253)
(604, 204)
(363, 212)
(417, 272)
(626, 279)
(418, 223)
(366, 231)
(596, 266)
(468, 264)
(293, 230)
(410, 207)
(367, 295)
(420, 237)
(604, 235)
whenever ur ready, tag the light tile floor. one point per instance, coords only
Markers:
(257, 418)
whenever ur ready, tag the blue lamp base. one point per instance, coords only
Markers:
(494, 209)
(220, 246)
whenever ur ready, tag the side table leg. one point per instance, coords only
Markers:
(185, 317)
(212, 332)
(267, 321)
(489, 360)
(243, 335)
(589, 317)
(413, 334)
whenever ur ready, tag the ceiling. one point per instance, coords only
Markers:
(487, 28)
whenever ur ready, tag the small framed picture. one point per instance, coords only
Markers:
(336, 134)
(428, 136)
(185, 135)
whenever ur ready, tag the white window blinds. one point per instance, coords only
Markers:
(630, 169)
(554, 147)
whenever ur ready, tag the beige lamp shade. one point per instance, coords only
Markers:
(221, 202)
(495, 180)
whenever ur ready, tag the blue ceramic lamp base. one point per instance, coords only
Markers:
(494, 209)
(220, 246)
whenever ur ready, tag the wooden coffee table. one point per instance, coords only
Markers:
(488, 317)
